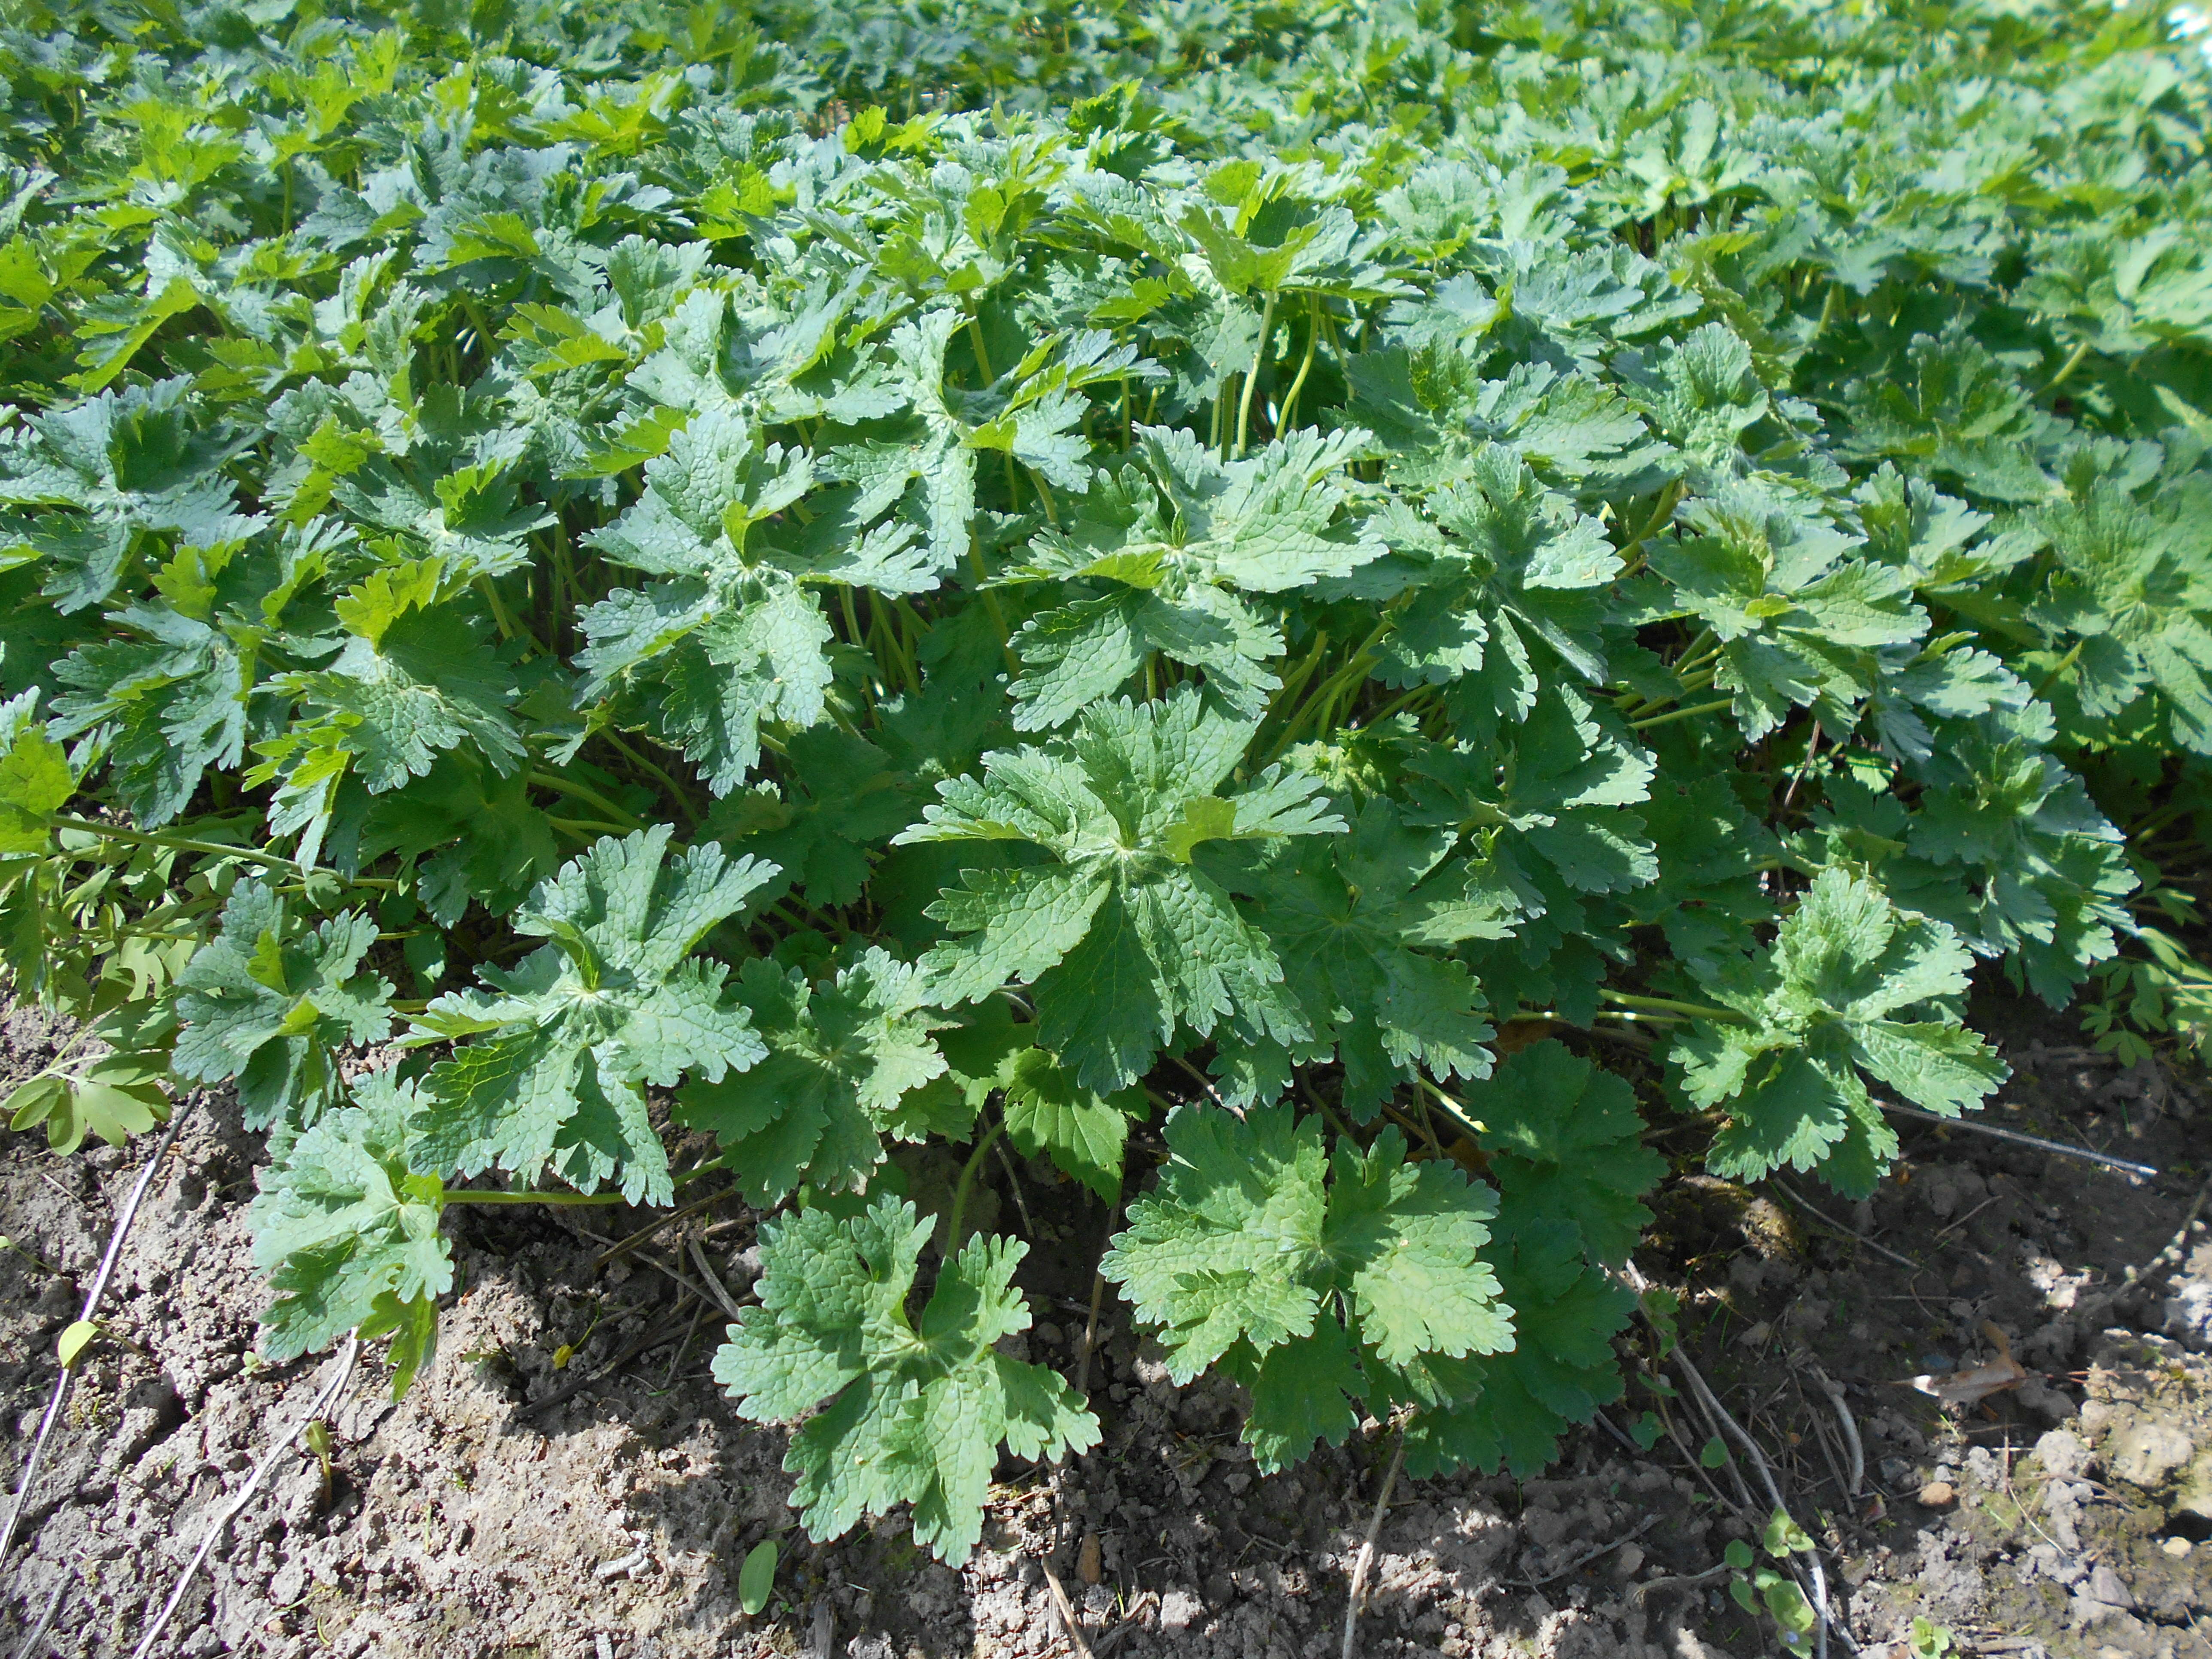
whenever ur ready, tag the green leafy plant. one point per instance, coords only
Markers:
(1929, 1640)
(1757, 1586)
(1153, 592)
(757, 1578)
(917, 1409)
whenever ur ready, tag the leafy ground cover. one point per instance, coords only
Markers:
(607, 598)
(499, 1512)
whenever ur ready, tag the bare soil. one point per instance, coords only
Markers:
(503, 1510)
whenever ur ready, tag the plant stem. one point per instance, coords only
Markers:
(982, 357)
(1367, 1545)
(1669, 498)
(1282, 705)
(1252, 375)
(2066, 369)
(585, 793)
(1669, 1005)
(558, 1199)
(1681, 714)
(991, 605)
(1397, 703)
(1354, 671)
(509, 628)
(658, 773)
(185, 844)
(1467, 1121)
(1305, 364)
(2042, 687)
(1827, 309)
(1698, 681)
(959, 1210)
(1695, 653)
(2157, 820)
(684, 1178)
(589, 828)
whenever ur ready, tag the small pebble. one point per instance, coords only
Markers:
(1937, 1495)
(2106, 1586)
(2176, 1547)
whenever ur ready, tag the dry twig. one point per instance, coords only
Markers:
(37, 1638)
(1834, 1390)
(1089, 1336)
(91, 1306)
(1711, 1402)
(727, 1303)
(2088, 1155)
(2178, 1246)
(643, 1345)
(1834, 1225)
(1586, 1557)
(316, 1411)
(644, 1233)
(1061, 1605)
(1367, 1545)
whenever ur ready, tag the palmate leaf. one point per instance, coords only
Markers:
(911, 1412)
(1707, 899)
(1242, 1252)
(1363, 927)
(783, 355)
(2131, 585)
(270, 1000)
(115, 1098)
(564, 1041)
(1078, 652)
(1952, 407)
(1084, 1133)
(1702, 391)
(471, 834)
(1431, 411)
(1797, 620)
(166, 695)
(1267, 524)
(36, 779)
(727, 638)
(1512, 1408)
(412, 680)
(1565, 1140)
(1544, 798)
(1851, 985)
(1122, 938)
(2009, 848)
(1943, 681)
(929, 465)
(1564, 1143)
(347, 1232)
(1488, 607)
(841, 802)
(1174, 542)
(842, 1056)
(143, 459)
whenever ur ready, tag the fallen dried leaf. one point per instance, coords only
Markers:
(1964, 1387)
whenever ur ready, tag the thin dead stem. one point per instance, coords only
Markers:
(1367, 1545)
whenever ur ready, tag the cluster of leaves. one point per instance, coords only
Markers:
(863, 580)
